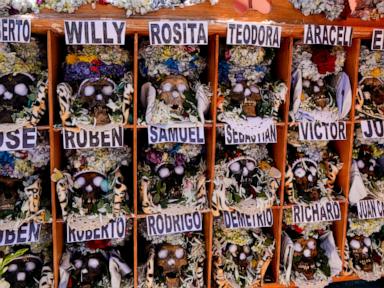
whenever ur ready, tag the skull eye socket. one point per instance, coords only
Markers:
(235, 167)
(167, 87)
(311, 244)
(164, 172)
(360, 164)
(181, 87)
(21, 89)
(238, 88)
(2, 89)
(78, 263)
(297, 247)
(97, 181)
(12, 268)
(367, 242)
(300, 172)
(107, 90)
(355, 244)
(162, 254)
(179, 170)
(179, 253)
(250, 166)
(254, 89)
(93, 263)
(89, 90)
(80, 182)
(30, 266)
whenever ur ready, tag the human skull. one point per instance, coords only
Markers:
(14, 89)
(88, 269)
(23, 270)
(305, 250)
(366, 163)
(248, 96)
(305, 175)
(375, 88)
(172, 91)
(8, 192)
(361, 250)
(241, 255)
(91, 185)
(94, 95)
(244, 169)
(172, 258)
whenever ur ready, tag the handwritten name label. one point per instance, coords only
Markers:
(317, 131)
(94, 32)
(372, 129)
(370, 209)
(27, 233)
(243, 33)
(233, 220)
(115, 229)
(240, 134)
(20, 139)
(162, 224)
(317, 212)
(15, 30)
(190, 135)
(110, 138)
(327, 35)
(377, 42)
(178, 33)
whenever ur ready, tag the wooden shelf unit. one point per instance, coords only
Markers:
(50, 25)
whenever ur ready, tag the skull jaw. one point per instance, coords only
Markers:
(364, 262)
(101, 115)
(307, 268)
(172, 280)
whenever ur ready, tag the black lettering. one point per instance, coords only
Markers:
(73, 30)
(155, 33)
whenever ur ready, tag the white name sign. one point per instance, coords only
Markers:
(370, 209)
(190, 135)
(178, 33)
(372, 129)
(318, 131)
(94, 32)
(317, 212)
(162, 224)
(243, 33)
(27, 233)
(377, 42)
(20, 139)
(115, 229)
(109, 138)
(327, 35)
(234, 220)
(245, 134)
(15, 30)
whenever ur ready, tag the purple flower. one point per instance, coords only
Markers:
(154, 157)
(179, 160)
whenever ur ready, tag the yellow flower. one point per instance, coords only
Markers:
(376, 72)
(264, 165)
(167, 52)
(71, 59)
(87, 58)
